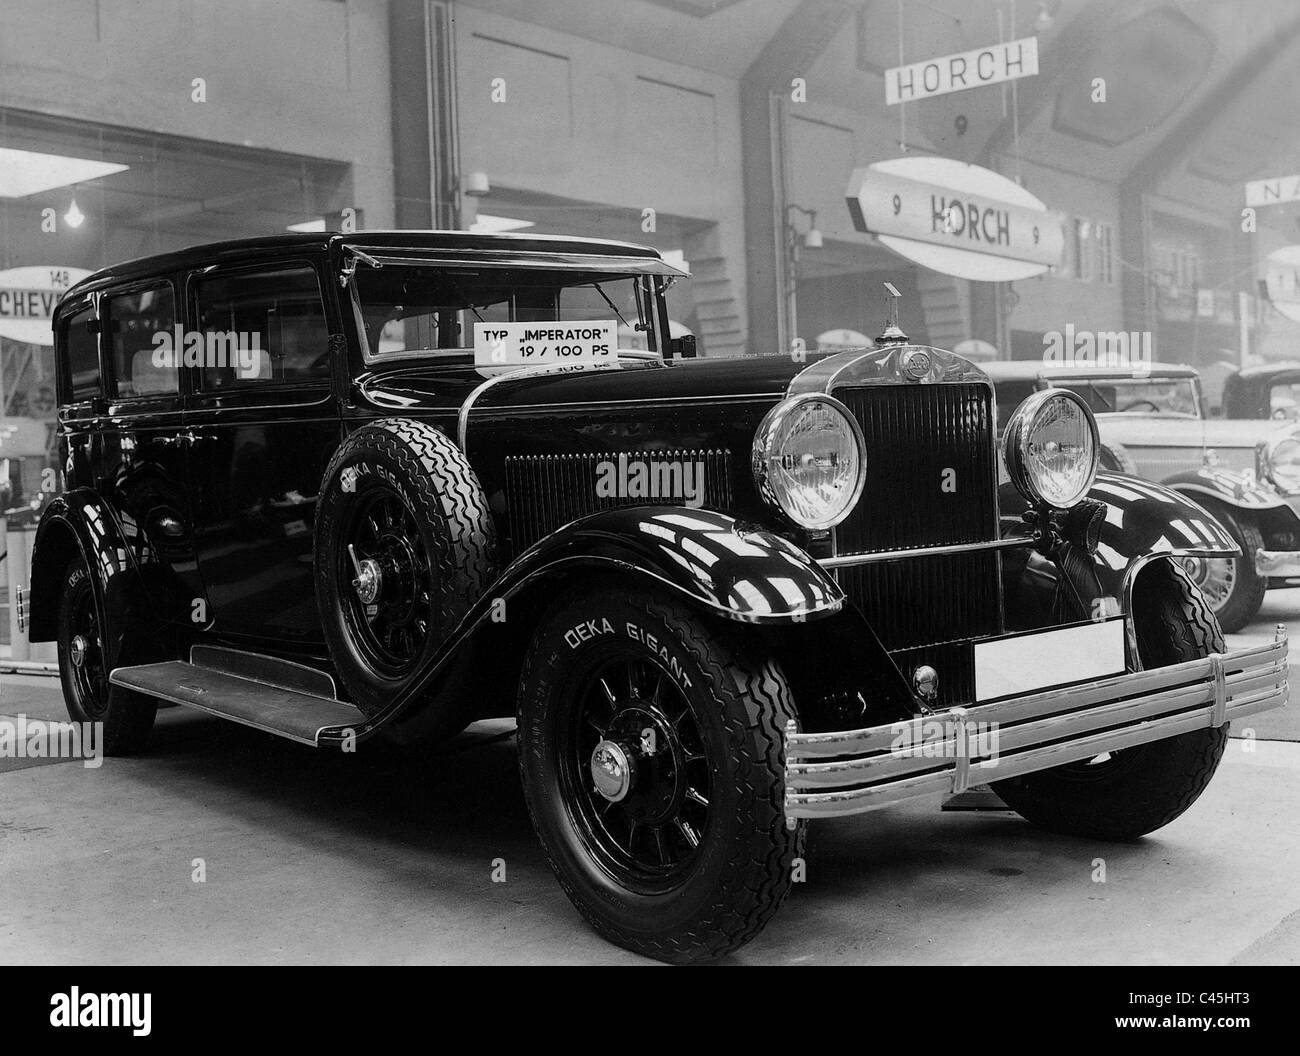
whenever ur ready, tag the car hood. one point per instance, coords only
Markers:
(433, 386)
(1138, 431)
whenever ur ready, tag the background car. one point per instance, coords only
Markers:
(1153, 424)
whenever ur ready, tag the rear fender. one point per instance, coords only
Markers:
(80, 524)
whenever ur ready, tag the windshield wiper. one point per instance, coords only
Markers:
(614, 307)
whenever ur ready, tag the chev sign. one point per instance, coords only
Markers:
(955, 218)
(966, 69)
(27, 300)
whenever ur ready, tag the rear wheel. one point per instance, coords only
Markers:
(1133, 791)
(83, 669)
(652, 758)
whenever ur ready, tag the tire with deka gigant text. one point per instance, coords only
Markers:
(404, 547)
(652, 756)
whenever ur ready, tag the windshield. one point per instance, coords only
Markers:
(408, 310)
(1164, 397)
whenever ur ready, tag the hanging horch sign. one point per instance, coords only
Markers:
(523, 344)
(954, 218)
(966, 69)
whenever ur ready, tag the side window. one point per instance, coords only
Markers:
(264, 327)
(81, 350)
(143, 365)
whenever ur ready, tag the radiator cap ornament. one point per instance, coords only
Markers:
(892, 334)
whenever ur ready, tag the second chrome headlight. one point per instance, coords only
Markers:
(1051, 448)
(808, 460)
(1281, 464)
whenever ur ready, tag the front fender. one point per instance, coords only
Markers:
(738, 571)
(1142, 522)
(1239, 490)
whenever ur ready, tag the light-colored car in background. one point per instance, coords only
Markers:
(1245, 472)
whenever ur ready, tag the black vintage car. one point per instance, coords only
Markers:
(340, 486)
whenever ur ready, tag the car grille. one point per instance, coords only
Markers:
(926, 609)
(546, 492)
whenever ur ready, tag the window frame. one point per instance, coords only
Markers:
(645, 283)
(108, 357)
(195, 277)
(64, 380)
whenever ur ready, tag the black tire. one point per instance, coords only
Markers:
(655, 893)
(88, 695)
(1114, 456)
(432, 544)
(1232, 587)
(1136, 790)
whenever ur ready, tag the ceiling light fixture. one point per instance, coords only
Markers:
(28, 172)
(74, 217)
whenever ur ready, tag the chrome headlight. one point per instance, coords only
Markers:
(1050, 448)
(808, 460)
(1282, 465)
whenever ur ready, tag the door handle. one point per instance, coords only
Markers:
(188, 438)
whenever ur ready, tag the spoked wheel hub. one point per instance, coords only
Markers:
(86, 655)
(638, 777)
(1215, 576)
(388, 566)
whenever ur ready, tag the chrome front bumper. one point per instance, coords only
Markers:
(1278, 564)
(833, 774)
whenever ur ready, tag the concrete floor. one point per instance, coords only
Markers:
(385, 857)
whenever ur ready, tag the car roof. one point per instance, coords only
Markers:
(549, 246)
(1284, 366)
(1032, 369)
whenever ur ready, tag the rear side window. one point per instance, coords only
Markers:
(264, 327)
(81, 350)
(141, 329)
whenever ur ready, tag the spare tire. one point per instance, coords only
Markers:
(404, 547)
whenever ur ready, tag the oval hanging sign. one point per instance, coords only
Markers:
(1282, 279)
(27, 299)
(956, 219)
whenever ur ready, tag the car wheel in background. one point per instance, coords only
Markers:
(1232, 587)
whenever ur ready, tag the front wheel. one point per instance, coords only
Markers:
(652, 758)
(1127, 793)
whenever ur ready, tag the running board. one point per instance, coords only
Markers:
(286, 699)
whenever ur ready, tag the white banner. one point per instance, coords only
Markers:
(523, 344)
(967, 69)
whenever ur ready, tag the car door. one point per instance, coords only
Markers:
(141, 457)
(264, 420)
